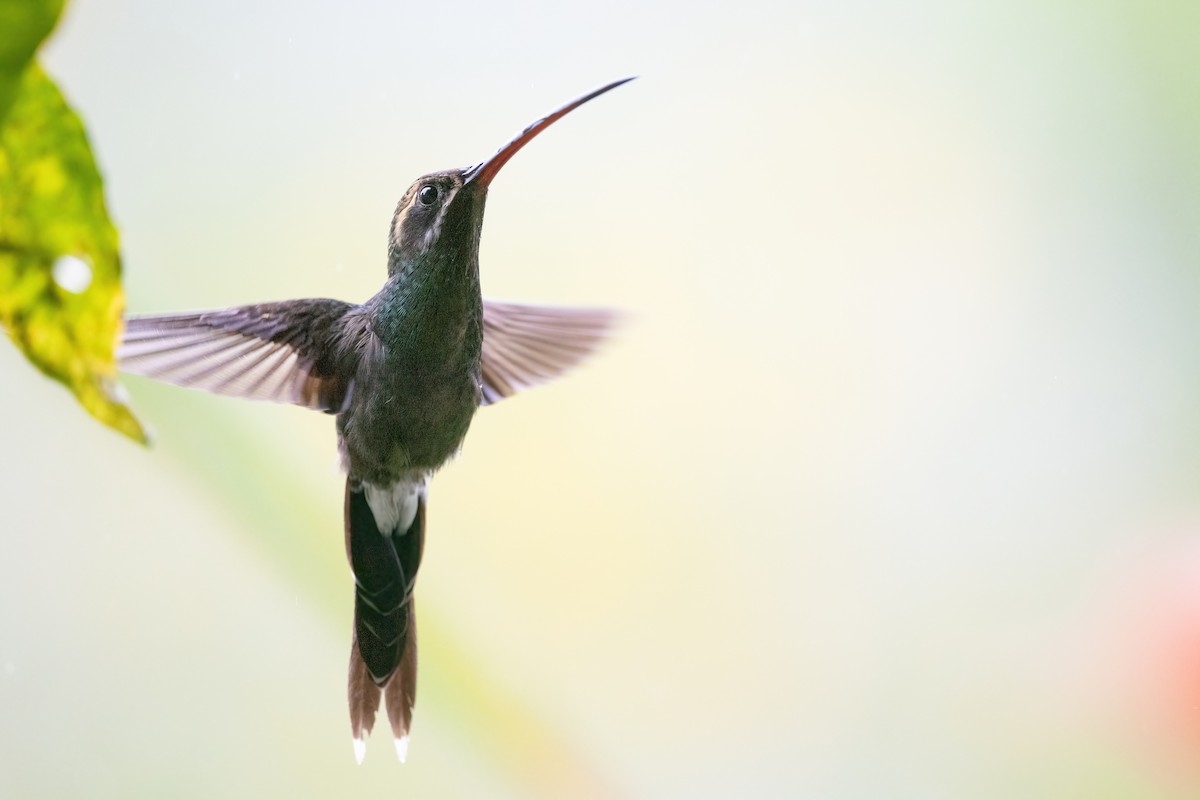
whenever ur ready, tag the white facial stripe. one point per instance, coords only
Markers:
(410, 201)
(435, 230)
(401, 216)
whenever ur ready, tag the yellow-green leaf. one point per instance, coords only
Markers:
(60, 268)
(24, 23)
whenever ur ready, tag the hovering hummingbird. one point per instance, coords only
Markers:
(404, 373)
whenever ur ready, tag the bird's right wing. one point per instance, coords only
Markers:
(298, 351)
(527, 345)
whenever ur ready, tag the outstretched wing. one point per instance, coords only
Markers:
(524, 346)
(297, 351)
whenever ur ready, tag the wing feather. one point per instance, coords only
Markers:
(526, 345)
(292, 352)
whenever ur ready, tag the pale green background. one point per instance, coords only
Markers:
(889, 487)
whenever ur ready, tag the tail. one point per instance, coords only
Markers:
(383, 652)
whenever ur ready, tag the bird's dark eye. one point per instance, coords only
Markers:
(428, 195)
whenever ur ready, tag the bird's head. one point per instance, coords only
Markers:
(440, 217)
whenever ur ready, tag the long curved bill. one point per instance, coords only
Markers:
(484, 172)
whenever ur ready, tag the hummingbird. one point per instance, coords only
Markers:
(403, 373)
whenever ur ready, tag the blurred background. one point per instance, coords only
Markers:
(889, 487)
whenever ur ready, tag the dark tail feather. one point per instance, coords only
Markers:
(383, 650)
(380, 589)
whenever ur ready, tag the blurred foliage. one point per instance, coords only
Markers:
(60, 292)
(1162, 39)
(25, 24)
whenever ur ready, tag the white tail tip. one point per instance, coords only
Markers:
(402, 749)
(360, 749)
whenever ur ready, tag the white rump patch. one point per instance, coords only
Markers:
(394, 507)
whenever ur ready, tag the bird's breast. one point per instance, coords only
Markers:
(410, 409)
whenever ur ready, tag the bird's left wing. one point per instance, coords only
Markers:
(526, 345)
(298, 351)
